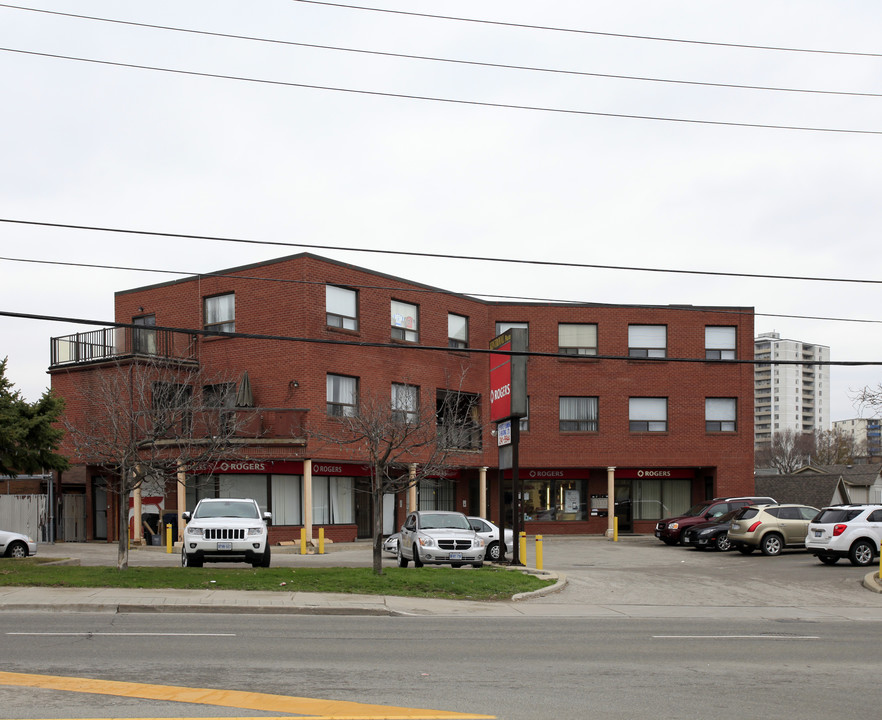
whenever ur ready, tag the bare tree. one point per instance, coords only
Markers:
(144, 420)
(834, 447)
(406, 439)
(787, 452)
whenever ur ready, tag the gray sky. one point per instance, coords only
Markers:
(103, 145)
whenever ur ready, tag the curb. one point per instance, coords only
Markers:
(872, 582)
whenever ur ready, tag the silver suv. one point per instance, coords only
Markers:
(226, 530)
(439, 538)
(852, 531)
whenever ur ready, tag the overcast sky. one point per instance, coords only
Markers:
(103, 145)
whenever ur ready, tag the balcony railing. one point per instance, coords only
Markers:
(121, 342)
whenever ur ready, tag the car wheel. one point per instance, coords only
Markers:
(416, 557)
(17, 550)
(264, 561)
(828, 559)
(722, 543)
(187, 561)
(478, 565)
(772, 544)
(456, 565)
(402, 561)
(669, 541)
(861, 553)
(745, 549)
(493, 552)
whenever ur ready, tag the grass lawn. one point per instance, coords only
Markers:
(487, 583)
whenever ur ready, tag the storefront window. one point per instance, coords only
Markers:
(333, 501)
(437, 495)
(244, 486)
(286, 500)
(558, 500)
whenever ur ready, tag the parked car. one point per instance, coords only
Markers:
(713, 534)
(770, 528)
(852, 531)
(490, 534)
(670, 529)
(390, 544)
(226, 530)
(16, 545)
(439, 538)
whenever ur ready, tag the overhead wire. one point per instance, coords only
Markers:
(456, 61)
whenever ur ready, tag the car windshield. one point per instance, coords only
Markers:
(227, 508)
(437, 521)
(837, 515)
(697, 510)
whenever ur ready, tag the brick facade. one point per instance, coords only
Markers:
(286, 298)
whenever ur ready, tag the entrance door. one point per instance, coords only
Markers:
(623, 508)
(363, 514)
(99, 498)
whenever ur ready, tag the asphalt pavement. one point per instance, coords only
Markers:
(594, 577)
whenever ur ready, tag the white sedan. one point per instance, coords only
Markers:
(482, 527)
(16, 545)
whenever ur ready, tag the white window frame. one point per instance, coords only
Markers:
(720, 342)
(720, 414)
(577, 338)
(647, 341)
(341, 307)
(648, 414)
(405, 321)
(578, 414)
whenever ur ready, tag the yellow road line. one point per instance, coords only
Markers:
(311, 708)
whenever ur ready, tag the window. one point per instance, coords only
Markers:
(648, 414)
(220, 313)
(405, 321)
(144, 336)
(578, 413)
(459, 419)
(172, 409)
(720, 414)
(525, 421)
(501, 327)
(647, 341)
(577, 339)
(342, 396)
(719, 343)
(405, 403)
(341, 307)
(333, 500)
(219, 401)
(457, 331)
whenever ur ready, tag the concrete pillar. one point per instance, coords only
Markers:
(482, 492)
(307, 498)
(136, 514)
(611, 500)
(412, 491)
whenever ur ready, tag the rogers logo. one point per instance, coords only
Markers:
(546, 473)
(328, 469)
(653, 473)
(225, 466)
(501, 393)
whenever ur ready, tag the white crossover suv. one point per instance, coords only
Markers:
(226, 530)
(852, 531)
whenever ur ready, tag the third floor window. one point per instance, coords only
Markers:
(341, 307)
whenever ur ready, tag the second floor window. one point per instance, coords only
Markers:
(578, 414)
(220, 313)
(341, 307)
(648, 414)
(342, 395)
(405, 321)
(573, 339)
(405, 403)
(172, 409)
(720, 414)
(647, 341)
(457, 331)
(219, 401)
(458, 416)
(719, 343)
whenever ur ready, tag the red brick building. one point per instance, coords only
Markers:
(643, 390)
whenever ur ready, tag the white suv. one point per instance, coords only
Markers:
(226, 530)
(852, 531)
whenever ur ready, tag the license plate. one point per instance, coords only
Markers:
(456, 556)
(658, 533)
(224, 546)
(819, 533)
(735, 526)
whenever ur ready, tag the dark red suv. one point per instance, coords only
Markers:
(669, 530)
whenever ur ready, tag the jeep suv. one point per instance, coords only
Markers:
(226, 530)
(670, 529)
(852, 531)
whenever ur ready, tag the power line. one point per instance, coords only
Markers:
(429, 58)
(592, 32)
(427, 348)
(449, 101)
(471, 295)
(443, 256)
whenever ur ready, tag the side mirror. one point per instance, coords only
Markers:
(268, 518)
(186, 516)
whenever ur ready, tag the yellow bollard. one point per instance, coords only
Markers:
(616, 528)
(538, 552)
(303, 541)
(321, 541)
(168, 538)
(522, 540)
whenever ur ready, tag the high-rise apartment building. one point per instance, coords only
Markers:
(793, 390)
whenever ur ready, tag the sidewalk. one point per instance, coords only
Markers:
(567, 598)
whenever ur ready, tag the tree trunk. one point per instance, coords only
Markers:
(377, 501)
(122, 556)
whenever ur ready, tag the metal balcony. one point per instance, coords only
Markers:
(121, 342)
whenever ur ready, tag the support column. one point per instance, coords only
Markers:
(307, 498)
(610, 500)
(136, 516)
(482, 492)
(182, 501)
(412, 491)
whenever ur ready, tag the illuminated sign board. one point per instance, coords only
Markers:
(508, 376)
